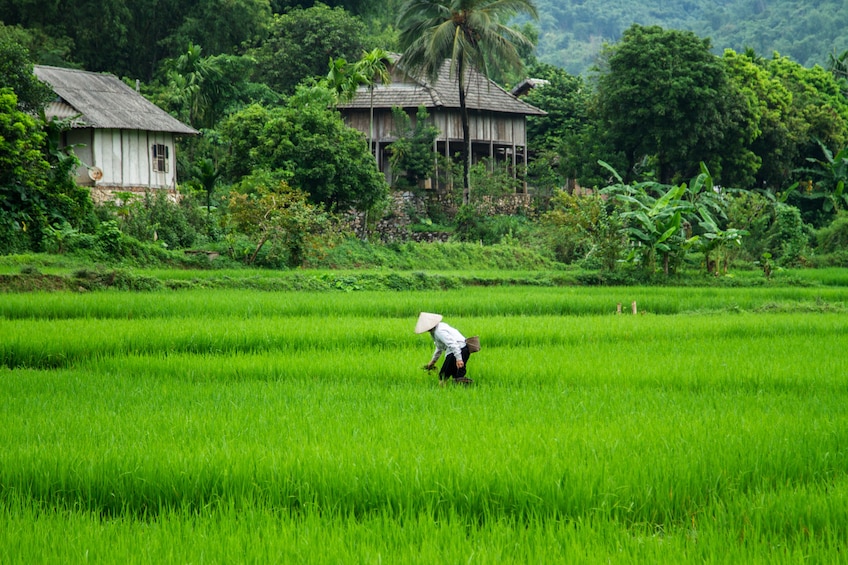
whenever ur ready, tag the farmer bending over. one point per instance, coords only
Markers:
(447, 339)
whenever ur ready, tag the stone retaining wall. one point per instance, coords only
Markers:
(404, 206)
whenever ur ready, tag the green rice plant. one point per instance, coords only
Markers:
(281, 430)
(486, 301)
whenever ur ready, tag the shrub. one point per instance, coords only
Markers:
(488, 230)
(156, 218)
(787, 238)
(582, 228)
(755, 213)
(834, 237)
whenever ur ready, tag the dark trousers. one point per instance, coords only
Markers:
(449, 370)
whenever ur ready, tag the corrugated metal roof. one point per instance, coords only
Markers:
(104, 101)
(409, 92)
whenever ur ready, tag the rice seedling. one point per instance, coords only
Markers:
(298, 428)
(497, 301)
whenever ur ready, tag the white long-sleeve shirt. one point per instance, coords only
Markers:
(447, 339)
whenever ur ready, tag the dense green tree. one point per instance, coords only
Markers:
(471, 34)
(37, 190)
(105, 34)
(780, 131)
(131, 38)
(562, 144)
(570, 34)
(148, 44)
(359, 7)
(818, 102)
(307, 144)
(566, 99)
(241, 133)
(663, 96)
(301, 41)
(16, 73)
(98, 30)
(794, 109)
(23, 175)
(222, 26)
(44, 48)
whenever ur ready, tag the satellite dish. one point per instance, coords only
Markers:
(95, 173)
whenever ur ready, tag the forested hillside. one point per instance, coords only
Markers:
(129, 39)
(573, 31)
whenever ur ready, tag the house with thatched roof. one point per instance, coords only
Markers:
(125, 142)
(497, 119)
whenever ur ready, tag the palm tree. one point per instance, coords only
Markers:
(372, 67)
(469, 33)
(195, 79)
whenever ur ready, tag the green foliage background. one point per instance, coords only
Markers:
(573, 31)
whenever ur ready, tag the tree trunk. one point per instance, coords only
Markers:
(259, 245)
(371, 124)
(466, 136)
(466, 161)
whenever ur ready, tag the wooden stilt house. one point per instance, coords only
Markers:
(497, 119)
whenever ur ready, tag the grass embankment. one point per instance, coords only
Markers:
(451, 266)
(356, 265)
(295, 427)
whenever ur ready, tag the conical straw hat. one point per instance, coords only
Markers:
(426, 322)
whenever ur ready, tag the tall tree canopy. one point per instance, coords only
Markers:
(780, 130)
(131, 38)
(302, 41)
(663, 96)
(469, 33)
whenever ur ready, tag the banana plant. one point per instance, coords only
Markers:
(831, 174)
(655, 224)
(660, 218)
(714, 240)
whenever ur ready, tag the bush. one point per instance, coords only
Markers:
(787, 238)
(12, 240)
(205, 222)
(755, 213)
(489, 230)
(583, 229)
(156, 218)
(834, 237)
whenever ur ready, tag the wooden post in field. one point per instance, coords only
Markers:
(634, 307)
(618, 310)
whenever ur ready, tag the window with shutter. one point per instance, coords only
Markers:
(160, 158)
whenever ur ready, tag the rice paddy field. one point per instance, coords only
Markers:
(223, 426)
